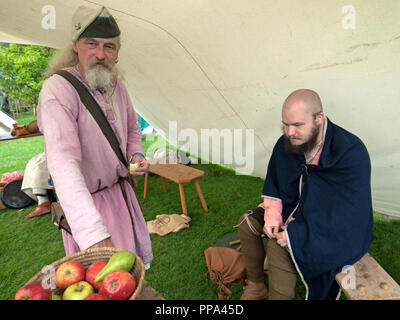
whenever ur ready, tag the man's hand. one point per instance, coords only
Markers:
(143, 164)
(271, 231)
(281, 237)
(104, 243)
(272, 217)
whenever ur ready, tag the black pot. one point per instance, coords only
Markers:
(13, 197)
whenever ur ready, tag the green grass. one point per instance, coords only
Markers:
(24, 118)
(178, 271)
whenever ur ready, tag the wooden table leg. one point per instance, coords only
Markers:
(164, 184)
(146, 180)
(183, 200)
(203, 201)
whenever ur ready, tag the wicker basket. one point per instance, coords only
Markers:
(87, 257)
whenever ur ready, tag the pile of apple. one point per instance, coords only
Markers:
(101, 281)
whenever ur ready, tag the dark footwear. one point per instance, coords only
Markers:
(41, 209)
(254, 291)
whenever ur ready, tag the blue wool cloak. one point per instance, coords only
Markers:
(333, 222)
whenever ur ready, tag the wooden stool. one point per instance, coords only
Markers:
(372, 282)
(179, 174)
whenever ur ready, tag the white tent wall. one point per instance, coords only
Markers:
(229, 64)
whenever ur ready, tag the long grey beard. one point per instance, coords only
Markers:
(99, 77)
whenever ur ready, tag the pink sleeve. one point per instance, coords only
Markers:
(58, 124)
(273, 212)
(134, 138)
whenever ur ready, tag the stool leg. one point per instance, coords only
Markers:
(146, 180)
(183, 200)
(203, 201)
(164, 184)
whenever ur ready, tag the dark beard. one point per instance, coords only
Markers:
(306, 146)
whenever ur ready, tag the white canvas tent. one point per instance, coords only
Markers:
(229, 64)
(6, 124)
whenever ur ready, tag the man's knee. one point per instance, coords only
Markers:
(248, 225)
(242, 224)
(280, 257)
(282, 272)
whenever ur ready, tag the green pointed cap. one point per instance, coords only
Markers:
(93, 23)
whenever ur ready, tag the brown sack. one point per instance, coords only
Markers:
(225, 265)
(58, 217)
(32, 127)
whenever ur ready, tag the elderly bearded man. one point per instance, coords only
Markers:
(88, 176)
(317, 208)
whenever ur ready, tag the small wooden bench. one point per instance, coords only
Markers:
(372, 282)
(179, 174)
(10, 137)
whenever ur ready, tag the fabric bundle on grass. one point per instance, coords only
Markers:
(164, 224)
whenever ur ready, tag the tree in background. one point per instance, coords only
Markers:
(21, 72)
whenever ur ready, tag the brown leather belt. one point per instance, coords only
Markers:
(121, 184)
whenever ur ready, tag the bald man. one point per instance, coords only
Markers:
(316, 211)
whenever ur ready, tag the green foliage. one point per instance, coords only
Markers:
(21, 70)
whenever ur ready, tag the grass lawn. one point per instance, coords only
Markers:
(178, 271)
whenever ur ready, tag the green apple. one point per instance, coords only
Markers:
(78, 291)
(55, 297)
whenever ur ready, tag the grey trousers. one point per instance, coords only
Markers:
(282, 272)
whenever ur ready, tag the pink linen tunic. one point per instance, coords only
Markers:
(82, 162)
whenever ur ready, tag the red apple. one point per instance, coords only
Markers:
(33, 291)
(68, 273)
(118, 285)
(94, 296)
(92, 272)
(78, 291)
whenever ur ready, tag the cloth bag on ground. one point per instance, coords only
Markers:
(225, 266)
(166, 223)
